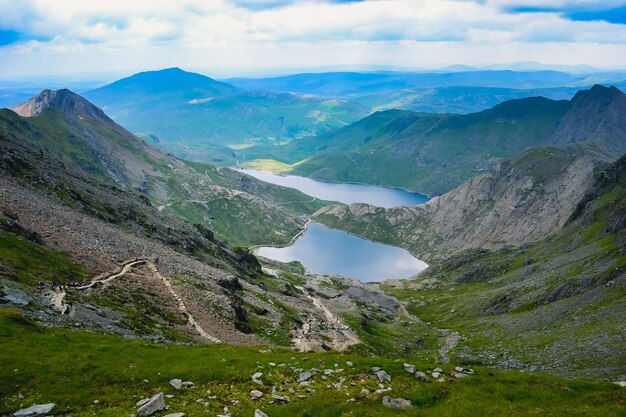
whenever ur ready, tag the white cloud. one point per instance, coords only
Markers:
(163, 31)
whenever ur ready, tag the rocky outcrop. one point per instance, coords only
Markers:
(519, 201)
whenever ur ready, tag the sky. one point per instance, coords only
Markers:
(83, 38)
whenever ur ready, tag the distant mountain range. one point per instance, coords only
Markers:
(433, 154)
(196, 116)
(339, 84)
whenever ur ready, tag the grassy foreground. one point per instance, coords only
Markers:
(74, 368)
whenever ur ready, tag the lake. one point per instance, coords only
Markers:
(344, 193)
(327, 251)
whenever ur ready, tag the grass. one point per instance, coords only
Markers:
(28, 263)
(74, 368)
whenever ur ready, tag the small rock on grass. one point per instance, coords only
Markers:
(259, 413)
(397, 403)
(175, 415)
(421, 376)
(156, 403)
(255, 394)
(409, 368)
(176, 383)
(35, 410)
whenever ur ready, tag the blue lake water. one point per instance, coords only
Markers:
(344, 193)
(327, 251)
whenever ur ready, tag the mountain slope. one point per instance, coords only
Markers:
(555, 304)
(521, 200)
(435, 153)
(76, 132)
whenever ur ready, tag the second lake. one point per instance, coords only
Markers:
(327, 251)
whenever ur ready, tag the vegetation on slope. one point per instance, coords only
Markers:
(118, 373)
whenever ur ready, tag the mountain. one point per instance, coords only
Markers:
(200, 119)
(75, 132)
(459, 100)
(339, 84)
(554, 304)
(519, 201)
(152, 87)
(433, 154)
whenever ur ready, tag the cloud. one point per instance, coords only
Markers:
(198, 27)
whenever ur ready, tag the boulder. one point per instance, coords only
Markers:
(383, 376)
(156, 403)
(256, 394)
(176, 383)
(259, 413)
(305, 376)
(421, 376)
(409, 368)
(255, 378)
(397, 403)
(281, 398)
(35, 410)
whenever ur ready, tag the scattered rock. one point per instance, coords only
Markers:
(281, 398)
(397, 403)
(459, 375)
(96, 402)
(154, 404)
(350, 364)
(383, 376)
(188, 384)
(259, 413)
(35, 410)
(421, 376)
(142, 402)
(256, 394)
(170, 396)
(409, 368)
(175, 415)
(436, 375)
(305, 376)
(620, 383)
(351, 400)
(255, 378)
(176, 383)
(364, 392)
(20, 396)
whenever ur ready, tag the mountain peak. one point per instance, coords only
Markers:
(597, 114)
(63, 100)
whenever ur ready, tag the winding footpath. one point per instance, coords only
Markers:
(126, 267)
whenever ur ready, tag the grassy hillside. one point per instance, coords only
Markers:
(87, 140)
(118, 373)
(554, 305)
(433, 154)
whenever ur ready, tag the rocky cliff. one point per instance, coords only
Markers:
(521, 200)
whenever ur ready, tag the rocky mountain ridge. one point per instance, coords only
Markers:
(521, 200)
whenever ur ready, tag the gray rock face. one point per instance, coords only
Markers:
(305, 376)
(421, 376)
(397, 403)
(14, 296)
(156, 403)
(34, 410)
(259, 413)
(176, 383)
(383, 376)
